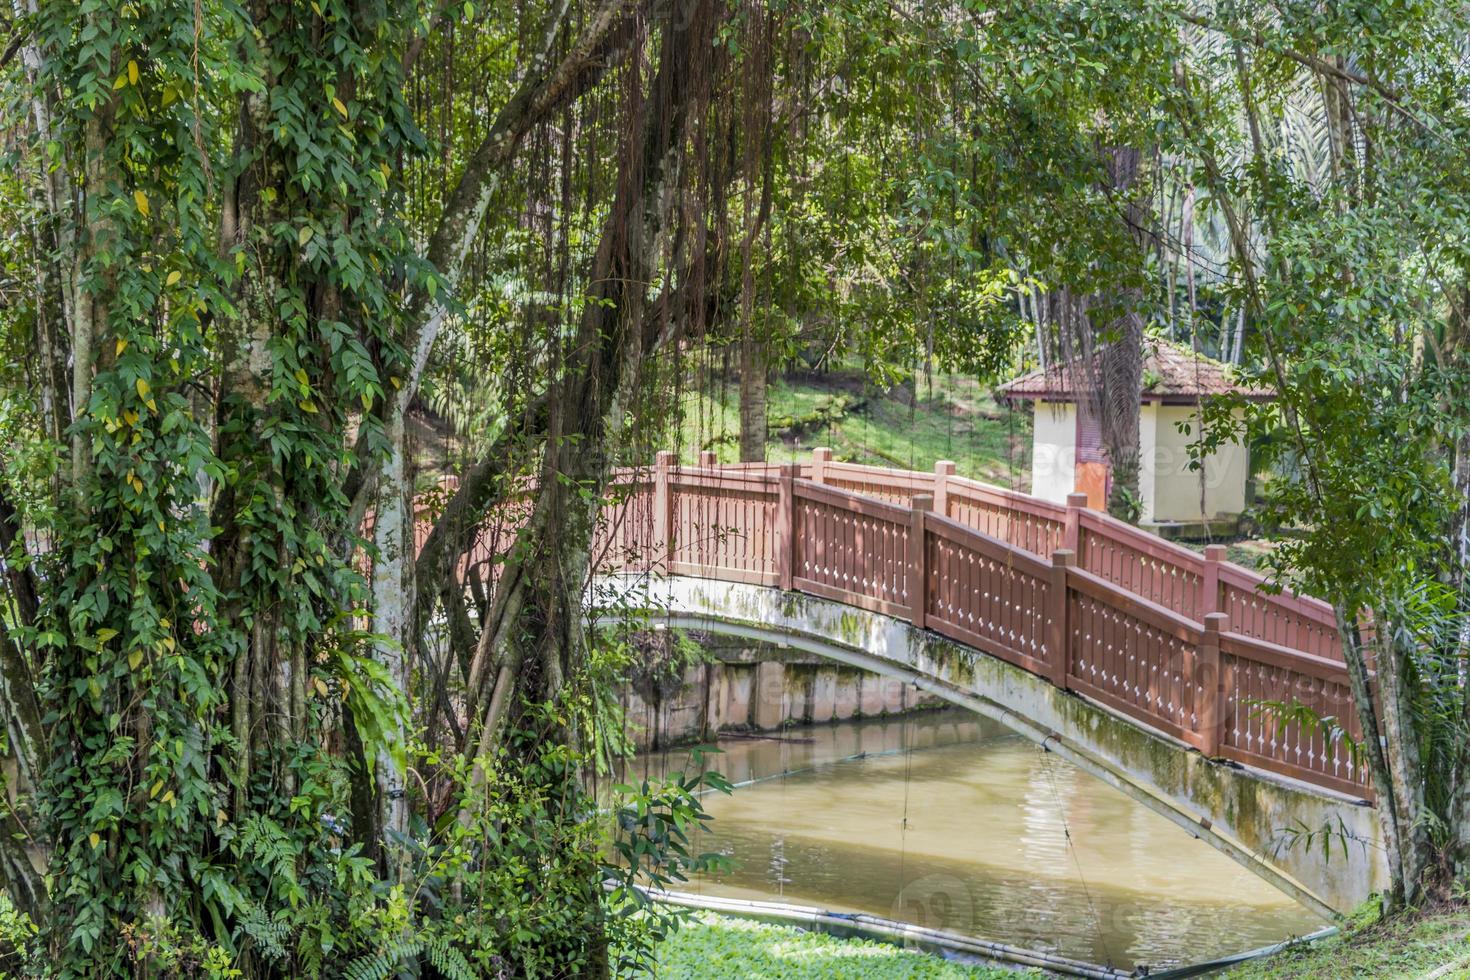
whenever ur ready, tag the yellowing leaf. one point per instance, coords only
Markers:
(122, 81)
(141, 199)
(220, 818)
(94, 840)
(173, 277)
(157, 788)
(132, 72)
(321, 686)
(168, 644)
(105, 634)
(304, 235)
(143, 387)
(152, 405)
(134, 659)
(340, 107)
(122, 345)
(396, 382)
(307, 406)
(130, 416)
(301, 376)
(169, 797)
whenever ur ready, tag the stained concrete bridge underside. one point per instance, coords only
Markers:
(1254, 817)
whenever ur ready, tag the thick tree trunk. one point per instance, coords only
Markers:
(1121, 359)
(1373, 749)
(534, 643)
(1100, 340)
(1456, 354)
(57, 290)
(1396, 695)
(535, 626)
(544, 89)
(25, 747)
(393, 539)
(753, 430)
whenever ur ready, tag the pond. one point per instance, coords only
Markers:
(948, 820)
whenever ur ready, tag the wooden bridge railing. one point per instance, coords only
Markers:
(1188, 644)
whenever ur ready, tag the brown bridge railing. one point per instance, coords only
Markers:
(1185, 643)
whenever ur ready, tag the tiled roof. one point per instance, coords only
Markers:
(1171, 373)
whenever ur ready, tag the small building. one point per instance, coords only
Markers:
(1067, 455)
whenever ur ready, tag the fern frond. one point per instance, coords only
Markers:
(384, 963)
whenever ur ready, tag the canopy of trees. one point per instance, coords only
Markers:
(246, 248)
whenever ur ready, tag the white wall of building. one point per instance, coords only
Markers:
(1148, 428)
(1177, 488)
(1169, 489)
(1054, 451)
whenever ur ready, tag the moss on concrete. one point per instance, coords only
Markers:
(1252, 808)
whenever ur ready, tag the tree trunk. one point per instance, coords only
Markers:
(753, 369)
(1456, 356)
(393, 539)
(534, 643)
(1121, 358)
(1378, 766)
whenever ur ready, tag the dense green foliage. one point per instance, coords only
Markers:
(268, 270)
(1402, 948)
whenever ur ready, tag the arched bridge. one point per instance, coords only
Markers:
(1140, 660)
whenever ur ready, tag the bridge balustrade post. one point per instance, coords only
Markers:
(920, 505)
(1208, 684)
(785, 534)
(662, 550)
(1072, 534)
(1210, 585)
(820, 459)
(943, 470)
(1058, 630)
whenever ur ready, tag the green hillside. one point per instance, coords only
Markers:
(953, 418)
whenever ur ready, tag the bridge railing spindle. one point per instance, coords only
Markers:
(785, 537)
(820, 458)
(1210, 582)
(943, 470)
(920, 505)
(1058, 631)
(661, 554)
(1072, 532)
(1208, 684)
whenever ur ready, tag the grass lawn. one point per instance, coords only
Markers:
(1405, 948)
(954, 419)
(712, 947)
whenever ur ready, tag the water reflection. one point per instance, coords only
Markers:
(954, 823)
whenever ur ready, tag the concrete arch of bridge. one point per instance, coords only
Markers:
(1255, 818)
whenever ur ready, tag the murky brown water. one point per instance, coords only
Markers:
(956, 824)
